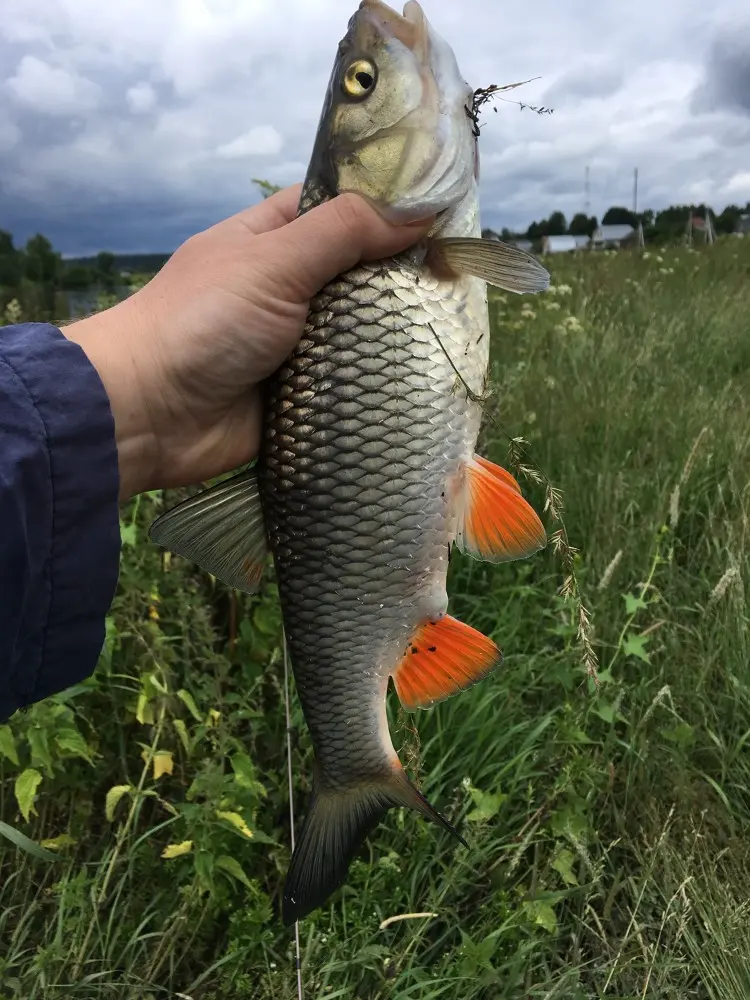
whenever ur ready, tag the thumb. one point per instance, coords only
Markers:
(333, 237)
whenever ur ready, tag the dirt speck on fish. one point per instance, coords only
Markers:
(367, 474)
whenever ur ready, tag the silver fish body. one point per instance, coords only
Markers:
(367, 474)
(367, 427)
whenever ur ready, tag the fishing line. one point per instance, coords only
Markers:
(297, 954)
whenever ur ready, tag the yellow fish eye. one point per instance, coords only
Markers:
(359, 78)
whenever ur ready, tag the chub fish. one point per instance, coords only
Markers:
(367, 475)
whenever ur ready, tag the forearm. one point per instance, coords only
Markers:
(59, 544)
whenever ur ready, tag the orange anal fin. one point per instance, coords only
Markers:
(443, 658)
(495, 522)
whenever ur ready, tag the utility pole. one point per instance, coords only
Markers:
(586, 194)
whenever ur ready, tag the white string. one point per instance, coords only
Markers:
(297, 954)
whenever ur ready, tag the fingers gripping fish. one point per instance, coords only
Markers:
(367, 473)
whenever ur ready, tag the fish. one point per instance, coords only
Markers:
(367, 476)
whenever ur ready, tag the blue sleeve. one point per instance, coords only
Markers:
(59, 521)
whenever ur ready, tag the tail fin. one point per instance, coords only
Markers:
(335, 827)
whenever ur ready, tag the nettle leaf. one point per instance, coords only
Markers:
(233, 868)
(635, 645)
(113, 797)
(189, 702)
(244, 773)
(25, 789)
(39, 742)
(541, 913)
(177, 850)
(181, 730)
(59, 843)
(237, 822)
(71, 741)
(8, 745)
(563, 865)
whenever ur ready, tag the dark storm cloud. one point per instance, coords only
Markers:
(130, 125)
(727, 76)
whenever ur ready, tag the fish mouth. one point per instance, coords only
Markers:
(410, 28)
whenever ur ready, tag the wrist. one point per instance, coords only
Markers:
(109, 340)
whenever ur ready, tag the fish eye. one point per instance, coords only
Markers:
(359, 78)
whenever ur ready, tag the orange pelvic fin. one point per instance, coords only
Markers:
(443, 658)
(495, 522)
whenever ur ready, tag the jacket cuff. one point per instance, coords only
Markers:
(70, 399)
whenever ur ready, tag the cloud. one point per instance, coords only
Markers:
(141, 97)
(263, 140)
(131, 125)
(727, 76)
(52, 90)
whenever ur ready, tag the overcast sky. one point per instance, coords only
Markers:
(130, 124)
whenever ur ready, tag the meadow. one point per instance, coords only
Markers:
(606, 807)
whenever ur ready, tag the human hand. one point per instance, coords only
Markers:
(181, 359)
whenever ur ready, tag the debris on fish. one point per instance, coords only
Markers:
(367, 474)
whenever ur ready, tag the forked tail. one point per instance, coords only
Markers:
(335, 827)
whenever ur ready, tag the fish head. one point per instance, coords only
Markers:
(395, 127)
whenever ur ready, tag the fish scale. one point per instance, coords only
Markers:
(364, 428)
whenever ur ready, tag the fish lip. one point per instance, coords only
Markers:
(410, 28)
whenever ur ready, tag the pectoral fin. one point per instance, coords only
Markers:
(495, 523)
(220, 529)
(497, 263)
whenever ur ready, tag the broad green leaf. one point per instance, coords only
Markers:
(25, 843)
(244, 773)
(59, 843)
(39, 742)
(633, 603)
(8, 745)
(563, 865)
(187, 699)
(25, 788)
(113, 797)
(541, 913)
(237, 822)
(163, 763)
(177, 850)
(73, 742)
(233, 868)
(143, 711)
(127, 534)
(487, 805)
(605, 711)
(181, 730)
(635, 645)
(682, 734)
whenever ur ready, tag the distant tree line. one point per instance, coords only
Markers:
(658, 227)
(40, 280)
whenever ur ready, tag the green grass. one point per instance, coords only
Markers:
(609, 825)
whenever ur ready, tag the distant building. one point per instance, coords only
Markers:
(559, 244)
(612, 237)
(743, 225)
(526, 245)
(582, 242)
